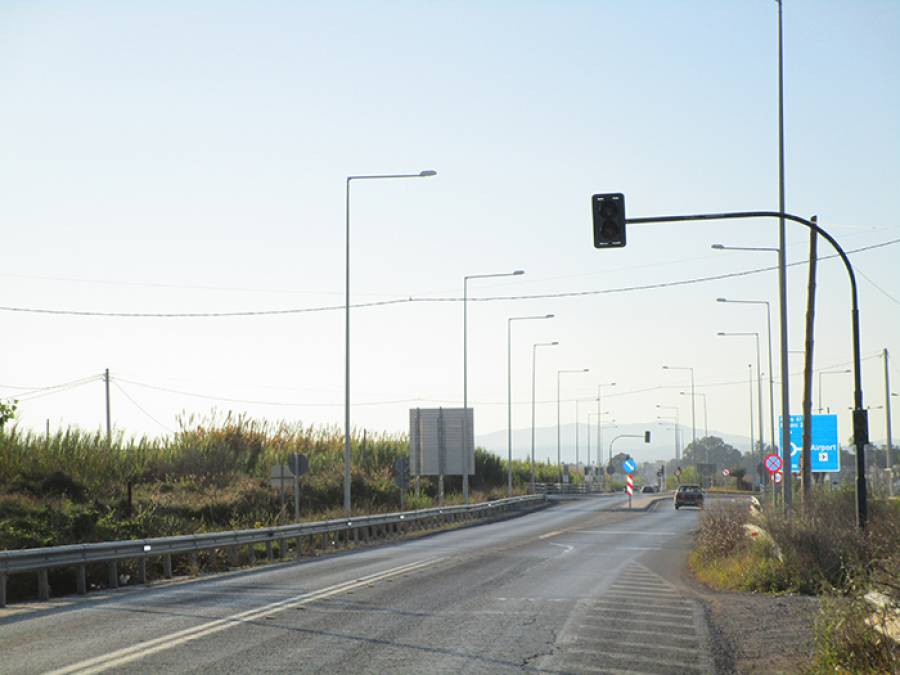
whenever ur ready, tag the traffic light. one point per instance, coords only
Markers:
(609, 220)
(646, 437)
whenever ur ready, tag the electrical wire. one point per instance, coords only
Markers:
(138, 406)
(56, 389)
(410, 300)
(883, 292)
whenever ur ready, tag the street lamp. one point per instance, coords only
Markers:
(422, 174)
(781, 252)
(664, 419)
(509, 391)
(828, 372)
(693, 415)
(599, 413)
(559, 418)
(771, 371)
(758, 386)
(705, 416)
(677, 419)
(467, 468)
(533, 363)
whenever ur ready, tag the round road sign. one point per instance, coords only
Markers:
(773, 463)
(726, 473)
(777, 476)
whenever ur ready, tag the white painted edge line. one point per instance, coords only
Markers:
(632, 533)
(568, 549)
(551, 534)
(125, 655)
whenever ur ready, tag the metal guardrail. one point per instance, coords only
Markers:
(327, 532)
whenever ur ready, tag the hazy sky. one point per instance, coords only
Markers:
(191, 157)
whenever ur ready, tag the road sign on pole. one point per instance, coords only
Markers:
(777, 476)
(629, 488)
(773, 463)
(629, 465)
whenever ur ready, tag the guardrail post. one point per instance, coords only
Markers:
(281, 549)
(233, 556)
(2, 590)
(167, 566)
(142, 571)
(298, 547)
(270, 555)
(43, 585)
(81, 580)
(112, 574)
(355, 536)
(194, 562)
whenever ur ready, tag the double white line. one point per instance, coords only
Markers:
(128, 654)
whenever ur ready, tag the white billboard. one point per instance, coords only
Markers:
(439, 444)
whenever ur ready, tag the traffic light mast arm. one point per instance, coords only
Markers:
(860, 417)
(645, 436)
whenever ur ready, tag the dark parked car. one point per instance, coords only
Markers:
(689, 495)
(648, 488)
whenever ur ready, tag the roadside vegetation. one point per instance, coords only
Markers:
(72, 487)
(818, 551)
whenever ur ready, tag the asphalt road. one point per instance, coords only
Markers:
(579, 587)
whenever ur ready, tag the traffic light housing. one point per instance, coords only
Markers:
(646, 437)
(609, 220)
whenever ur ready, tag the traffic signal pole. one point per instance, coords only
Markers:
(860, 415)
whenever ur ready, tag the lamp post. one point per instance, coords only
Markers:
(599, 422)
(675, 428)
(785, 439)
(559, 373)
(771, 371)
(422, 174)
(828, 372)
(677, 422)
(467, 468)
(705, 415)
(759, 387)
(509, 391)
(533, 363)
(693, 415)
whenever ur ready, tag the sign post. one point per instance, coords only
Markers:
(628, 466)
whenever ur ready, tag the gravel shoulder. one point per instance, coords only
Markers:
(757, 632)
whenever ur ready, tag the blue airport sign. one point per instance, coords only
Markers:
(825, 449)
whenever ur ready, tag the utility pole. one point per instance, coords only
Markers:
(806, 455)
(887, 420)
(108, 418)
(782, 287)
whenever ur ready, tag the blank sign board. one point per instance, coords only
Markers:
(440, 443)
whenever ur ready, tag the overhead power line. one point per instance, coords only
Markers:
(410, 300)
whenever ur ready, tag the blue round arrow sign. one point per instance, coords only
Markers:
(629, 466)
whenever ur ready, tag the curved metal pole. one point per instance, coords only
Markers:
(860, 415)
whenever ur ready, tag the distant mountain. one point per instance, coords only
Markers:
(661, 446)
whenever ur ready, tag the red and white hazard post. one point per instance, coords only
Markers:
(629, 488)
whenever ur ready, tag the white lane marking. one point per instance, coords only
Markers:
(551, 534)
(639, 548)
(135, 652)
(568, 549)
(631, 533)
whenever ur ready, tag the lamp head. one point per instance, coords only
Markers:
(550, 316)
(518, 273)
(718, 247)
(721, 300)
(720, 334)
(428, 172)
(553, 344)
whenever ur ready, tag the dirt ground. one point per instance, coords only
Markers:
(758, 633)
